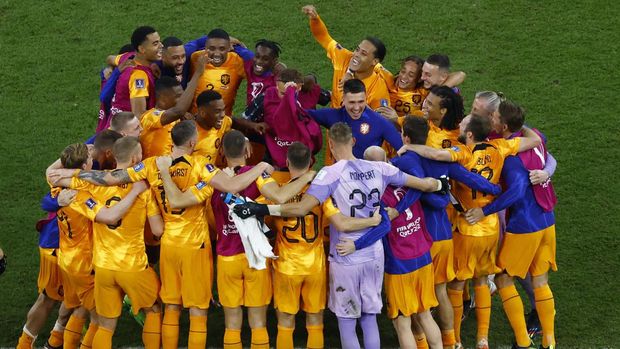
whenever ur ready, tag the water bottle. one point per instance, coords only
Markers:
(230, 199)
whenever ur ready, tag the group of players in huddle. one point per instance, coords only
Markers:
(152, 190)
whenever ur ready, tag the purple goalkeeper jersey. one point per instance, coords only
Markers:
(356, 188)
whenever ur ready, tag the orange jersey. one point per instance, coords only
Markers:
(404, 102)
(376, 88)
(224, 79)
(440, 139)
(119, 246)
(155, 137)
(486, 159)
(186, 227)
(75, 254)
(210, 141)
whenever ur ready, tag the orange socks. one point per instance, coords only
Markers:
(87, 341)
(56, 336)
(482, 296)
(232, 339)
(456, 299)
(197, 332)
(545, 306)
(513, 307)
(170, 329)
(284, 340)
(315, 337)
(151, 332)
(447, 338)
(73, 332)
(420, 341)
(26, 340)
(103, 338)
(260, 338)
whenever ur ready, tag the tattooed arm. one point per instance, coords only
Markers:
(106, 178)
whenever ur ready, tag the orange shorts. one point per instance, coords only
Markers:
(79, 290)
(49, 281)
(111, 286)
(186, 276)
(529, 252)
(410, 293)
(291, 291)
(474, 256)
(238, 284)
(442, 253)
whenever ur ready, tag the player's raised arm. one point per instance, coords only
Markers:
(317, 27)
(529, 140)
(185, 101)
(455, 79)
(111, 215)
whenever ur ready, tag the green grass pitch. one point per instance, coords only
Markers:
(554, 57)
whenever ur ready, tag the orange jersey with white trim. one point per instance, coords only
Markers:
(119, 246)
(210, 141)
(186, 227)
(376, 88)
(224, 79)
(486, 159)
(75, 253)
(155, 137)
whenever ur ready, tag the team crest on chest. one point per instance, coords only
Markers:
(416, 99)
(225, 79)
(364, 128)
(446, 143)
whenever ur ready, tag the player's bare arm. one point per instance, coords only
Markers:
(138, 106)
(282, 194)
(455, 79)
(111, 215)
(224, 183)
(105, 178)
(427, 152)
(156, 223)
(529, 140)
(349, 224)
(185, 101)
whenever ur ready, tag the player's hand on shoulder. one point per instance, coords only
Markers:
(139, 186)
(234, 41)
(474, 215)
(163, 162)
(309, 176)
(392, 213)
(229, 171)
(202, 62)
(66, 197)
(405, 148)
(156, 71)
(260, 127)
(266, 167)
(310, 11)
(131, 63)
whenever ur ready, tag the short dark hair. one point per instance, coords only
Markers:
(512, 115)
(453, 104)
(124, 148)
(172, 41)
(218, 33)
(479, 126)
(413, 58)
(442, 61)
(120, 120)
(125, 48)
(139, 36)
(74, 155)
(416, 128)
(298, 155)
(380, 49)
(165, 83)
(288, 75)
(233, 143)
(353, 86)
(105, 139)
(182, 132)
(207, 97)
(340, 133)
(272, 45)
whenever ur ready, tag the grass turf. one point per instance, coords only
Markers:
(553, 57)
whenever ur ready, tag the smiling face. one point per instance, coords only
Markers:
(151, 48)
(354, 104)
(212, 115)
(408, 76)
(363, 58)
(432, 108)
(217, 50)
(264, 60)
(432, 75)
(174, 57)
(132, 128)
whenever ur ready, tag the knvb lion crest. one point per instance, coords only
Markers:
(225, 79)
(364, 128)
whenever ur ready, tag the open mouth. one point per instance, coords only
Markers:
(217, 60)
(355, 61)
(259, 69)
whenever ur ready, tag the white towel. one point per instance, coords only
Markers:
(255, 243)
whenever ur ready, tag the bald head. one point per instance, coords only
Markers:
(375, 153)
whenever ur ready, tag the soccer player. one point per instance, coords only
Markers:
(119, 258)
(172, 104)
(443, 109)
(223, 72)
(259, 70)
(49, 281)
(436, 71)
(368, 127)
(123, 123)
(174, 61)
(476, 245)
(135, 89)
(486, 103)
(212, 122)
(359, 64)
(356, 187)
(529, 241)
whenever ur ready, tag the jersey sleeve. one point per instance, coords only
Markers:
(86, 205)
(140, 171)
(321, 35)
(80, 184)
(458, 154)
(151, 120)
(391, 134)
(323, 184)
(508, 147)
(326, 117)
(152, 209)
(392, 175)
(329, 209)
(263, 179)
(208, 172)
(202, 191)
(517, 181)
(138, 84)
